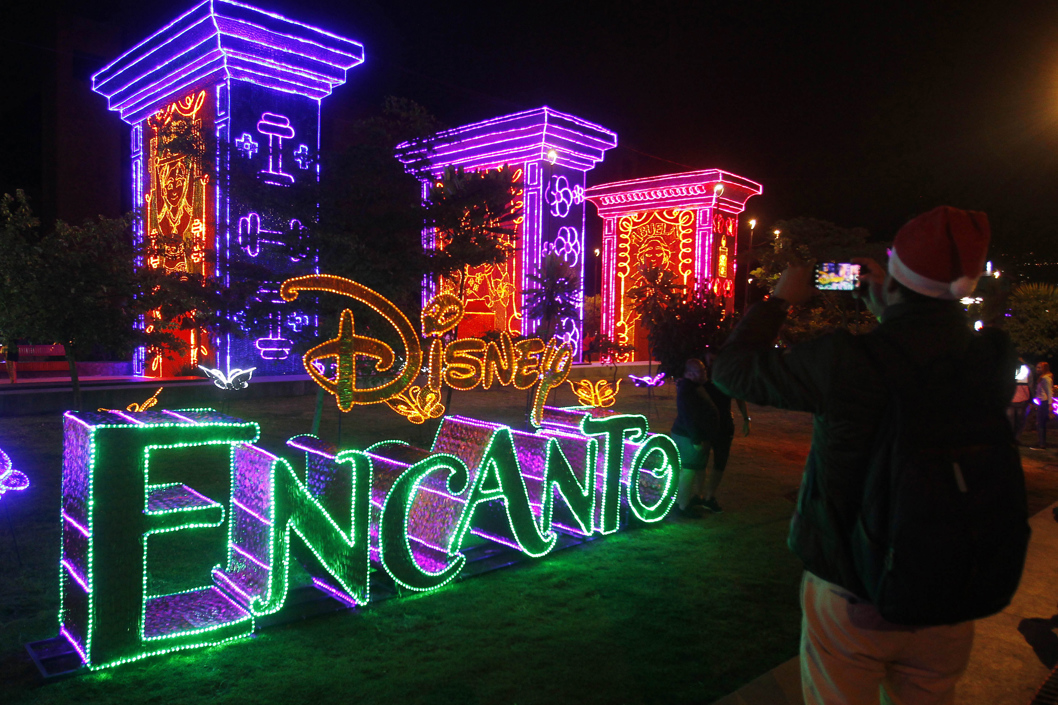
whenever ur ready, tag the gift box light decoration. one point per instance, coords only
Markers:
(550, 153)
(224, 105)
(405, 510)
(685, 223)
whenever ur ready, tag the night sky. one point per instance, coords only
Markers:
(863, 117)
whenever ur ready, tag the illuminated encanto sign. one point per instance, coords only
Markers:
(405, 510)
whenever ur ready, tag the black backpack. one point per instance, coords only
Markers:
(943, 529)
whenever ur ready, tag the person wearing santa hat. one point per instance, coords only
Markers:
(848, 650)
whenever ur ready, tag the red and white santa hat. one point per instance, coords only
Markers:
(941, 253)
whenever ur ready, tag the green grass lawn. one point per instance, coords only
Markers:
(683, 611)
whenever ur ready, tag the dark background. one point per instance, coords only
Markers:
(861, 115)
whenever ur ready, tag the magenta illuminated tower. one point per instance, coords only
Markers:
(550, 153)
(685, 223)
(224, 106)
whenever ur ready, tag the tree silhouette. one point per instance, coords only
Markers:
(1033, 321)
(660, 289)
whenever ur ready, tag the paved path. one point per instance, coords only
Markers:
(1005, 668)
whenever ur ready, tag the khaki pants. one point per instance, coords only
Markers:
(851, 656)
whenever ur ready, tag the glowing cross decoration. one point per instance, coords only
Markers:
(302, 156)
(11, 479)
(277, 128)
(246, 145)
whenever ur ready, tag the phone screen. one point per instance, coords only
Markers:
(837, 276)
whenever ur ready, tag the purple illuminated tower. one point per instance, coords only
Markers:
(224, 105)
(550, 153)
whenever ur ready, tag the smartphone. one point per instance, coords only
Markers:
(837, 276)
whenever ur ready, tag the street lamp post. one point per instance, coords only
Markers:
(745, 284)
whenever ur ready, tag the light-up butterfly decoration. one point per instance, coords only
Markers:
(600, 395)
(235, 379)
(11, 479)
(657, 380)
(417, 404)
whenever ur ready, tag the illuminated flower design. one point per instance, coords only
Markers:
(567, 245)
(11, 479)
(561, 197)
(569, 332)
(417, 404)
(601, 394)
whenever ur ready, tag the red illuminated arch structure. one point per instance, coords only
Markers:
(686, 223)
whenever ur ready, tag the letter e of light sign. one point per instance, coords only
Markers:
(110, 506)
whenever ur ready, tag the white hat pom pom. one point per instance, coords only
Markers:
(963, 286)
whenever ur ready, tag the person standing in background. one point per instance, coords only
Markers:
(11, 359)
(720, 438)
(1043, 398)
(696, 415)
(1019, 403)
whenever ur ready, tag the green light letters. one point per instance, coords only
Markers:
(409, 510)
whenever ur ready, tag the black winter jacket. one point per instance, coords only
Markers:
(697, 416)
(837, 377)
